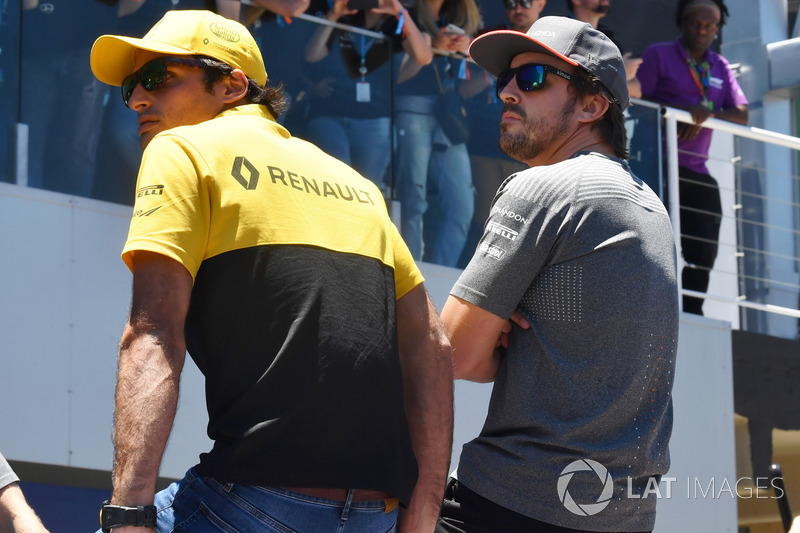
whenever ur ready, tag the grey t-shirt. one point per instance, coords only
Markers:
(585, 251)
(7, 476)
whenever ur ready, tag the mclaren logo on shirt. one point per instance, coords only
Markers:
(503, 231)
(491, 250)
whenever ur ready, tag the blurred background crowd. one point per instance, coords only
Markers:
(370, 81)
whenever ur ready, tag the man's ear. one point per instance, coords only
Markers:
(234, 86)
(593, 107)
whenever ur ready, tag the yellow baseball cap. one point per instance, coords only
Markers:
(181, 33)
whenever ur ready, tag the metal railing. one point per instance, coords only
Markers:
(771, 233)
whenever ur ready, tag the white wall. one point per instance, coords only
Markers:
(65, 299)
(702, 446)
(724, 280)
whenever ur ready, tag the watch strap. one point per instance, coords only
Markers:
(112, 516)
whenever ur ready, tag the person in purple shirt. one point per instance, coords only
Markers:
(687, 75)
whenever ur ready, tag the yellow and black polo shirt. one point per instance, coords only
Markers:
(292, 318)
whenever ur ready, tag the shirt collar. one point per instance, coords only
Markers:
(249, 109)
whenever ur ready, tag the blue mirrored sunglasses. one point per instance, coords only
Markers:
(530, 77)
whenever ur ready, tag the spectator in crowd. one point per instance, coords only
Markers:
(521, 14)
(591, 11)
(490, 166)
(352, 123)
(328, 374)
(427, 161)
(686, 74)
(580, 253)
(16, 516)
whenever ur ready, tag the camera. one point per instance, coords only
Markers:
(362, 5)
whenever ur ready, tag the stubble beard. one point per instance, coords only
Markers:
(536, 135)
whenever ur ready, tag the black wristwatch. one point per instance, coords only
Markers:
(112, 516)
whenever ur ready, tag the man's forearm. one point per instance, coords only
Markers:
(737, 115)
(428, 384)
(15, 514)
(146, 402)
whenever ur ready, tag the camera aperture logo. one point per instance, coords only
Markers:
(585, 509)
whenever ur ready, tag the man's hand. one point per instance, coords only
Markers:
(338, 10)
(516, 318)
(390, 7)
(700, 113)
(687, 132)
(451, 41)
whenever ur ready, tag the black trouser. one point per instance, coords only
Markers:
(463, 511)
(701, 215)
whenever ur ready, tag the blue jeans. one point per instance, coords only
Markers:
(203, 505)
(424, 155)
(363, 143)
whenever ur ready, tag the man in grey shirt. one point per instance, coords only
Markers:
(580, 251)
(15, 513)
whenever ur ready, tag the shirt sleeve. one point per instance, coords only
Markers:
(171, 211)
(7, 475)
(734, 96)
(406, 273)
(519, 241)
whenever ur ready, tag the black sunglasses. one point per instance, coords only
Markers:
(154, 73)
(512, 4)
(530, 77)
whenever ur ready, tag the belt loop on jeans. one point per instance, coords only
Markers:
(227, 487)
(346, 508)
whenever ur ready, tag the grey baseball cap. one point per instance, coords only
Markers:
(575, 42)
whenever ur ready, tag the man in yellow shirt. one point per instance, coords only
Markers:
(328, 375)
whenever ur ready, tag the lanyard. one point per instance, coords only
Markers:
(701, 75)
(363, 48)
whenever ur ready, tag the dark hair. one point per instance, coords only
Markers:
(274, 98)
(612, 125)
(570, 6)
(723, 11)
